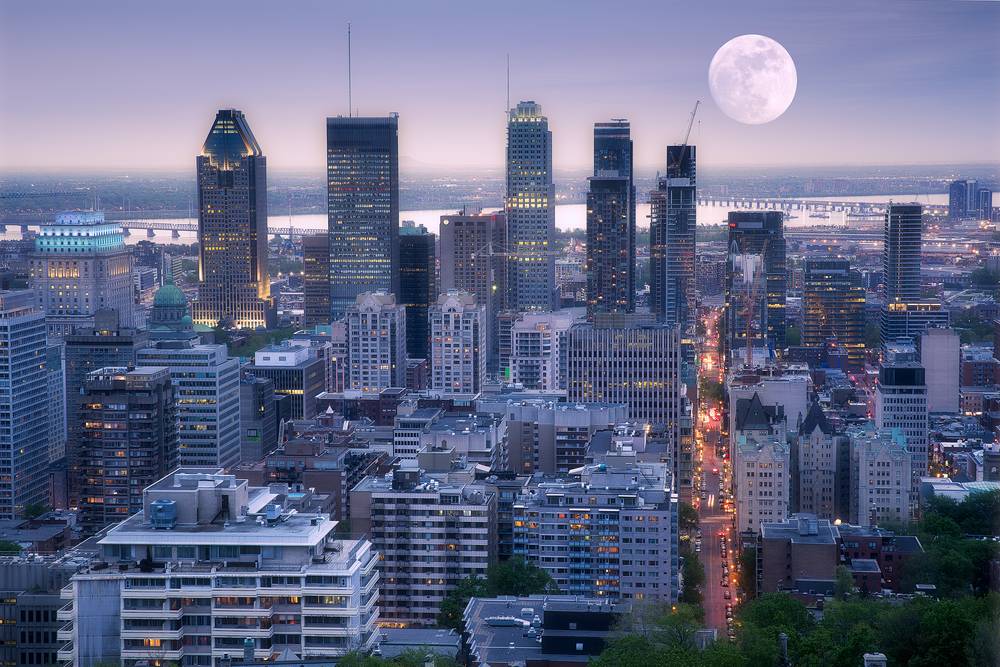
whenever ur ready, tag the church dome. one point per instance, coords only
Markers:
(170, 296)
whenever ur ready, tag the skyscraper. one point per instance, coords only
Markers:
(129, 440)
(234, 285)
(376, 342)
(672, 239)
(316, 279)
(969, 199)
(81, 265)
(761, 234)
(474, 260)
(611, 222)
(834, 309)
(530, 205)
(24, 415)
(905, 313)
(362, 168)
(417, 285)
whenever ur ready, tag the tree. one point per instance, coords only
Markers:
(8, 548)
(844, 584)
(748, 572)
(694, 579)
(511, 577)
(453, 605)
(35, 510)
(687, 518)
(793, 336)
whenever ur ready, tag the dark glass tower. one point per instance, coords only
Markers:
(673, 221)
(362, 166)
(834, 309)
(316, 279)
(759, 233)
(611, 222)
(417, 286)
(234, 284)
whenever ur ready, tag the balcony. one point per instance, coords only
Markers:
(65, 653)
(65, 612)
(65, 633)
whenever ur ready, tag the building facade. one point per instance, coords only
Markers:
(295, 372)
(258, 418)
(941, 357)
(81, 265)
(756, 234)
(316, 279)
(672, 239)
(901, 404)
(833, 307)
(417, 286)
(458, 344)
(761, 475)
(376, 342)
(538, 350)
(530, 207)
(881, 472)
(362, 168)
(234, 286)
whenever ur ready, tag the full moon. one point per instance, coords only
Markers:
(752, 79)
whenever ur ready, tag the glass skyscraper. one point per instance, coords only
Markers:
(834, 309)
(530, 206)
(417, 286)
(234, 285)
(672, 239)
(362, 166)
(611, 222)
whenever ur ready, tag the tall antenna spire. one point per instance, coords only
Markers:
(350, 100)
(507, 111)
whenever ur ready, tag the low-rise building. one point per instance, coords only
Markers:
(790, 551)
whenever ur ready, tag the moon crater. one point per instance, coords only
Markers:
(752, 79)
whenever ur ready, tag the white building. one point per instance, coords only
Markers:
(901, 403)
(761, 477)
(880, 476)
(789, 387)
(376, 342)
(211, 563)
(458, 344)
(820, 468)
(207, 385)
(538, 350)
(81, 265)
(940, 355)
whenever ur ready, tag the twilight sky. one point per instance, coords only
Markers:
(135, 85)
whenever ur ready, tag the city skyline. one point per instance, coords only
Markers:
(879, 101)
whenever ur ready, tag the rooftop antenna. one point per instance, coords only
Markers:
(350, 99)
(508, 87)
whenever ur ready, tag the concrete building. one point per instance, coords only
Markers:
(296, 372)
(418, 290)
(24, 413)
(128, 440)
(207, 388)
(362, 169)
(790, 387)
(940, 355)
(792, 552)
(762, 477)
(433, 526)
(233, 281)
(55, 367)
(29, 602)
(478, 439)
(538, 350)
(458, 349)
(212, 568)
(823, 468)
(581, 529)
(881, 479)
(376, 342)
(530, 208)
(258, 418)
(81, 265)
(901, 403)
(316, 279)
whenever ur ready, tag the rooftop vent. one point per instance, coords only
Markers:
(163, 514)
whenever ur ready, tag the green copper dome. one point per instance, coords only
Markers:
(170, 296)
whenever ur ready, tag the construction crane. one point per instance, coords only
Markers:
(687, 136)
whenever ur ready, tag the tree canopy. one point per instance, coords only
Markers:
(510, 577)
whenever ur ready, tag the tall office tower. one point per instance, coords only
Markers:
(940, 355)
(258, 418)
(822, 468)
(376, 343)
(756, 234)
(901, 403)
(316, 279)
(473, 259)
(362, 170)
(246, 571)
(673, 220)
(531, 213)
(880, 476)
(207, 388)
(81, 265)
(296, 372)
(108, 343)
(834, 310)
(458, 354)
(905, 314)
(55, 367)
(417, 285)
(128, 440)
(234, 285)
(433, 525)
(603, 506)
(761, 470)
(538, 350)
(611, 222)
(640, 366)
(24, 413)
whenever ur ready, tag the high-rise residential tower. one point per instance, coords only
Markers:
(834, 309)
(24, 414)
(530, 205)
(756, 234)
(458, 355)
(234, 285)
(376, 343)
(611, 222)
(417, 285)
(81, 265)
(672, 239)
(362, 168)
